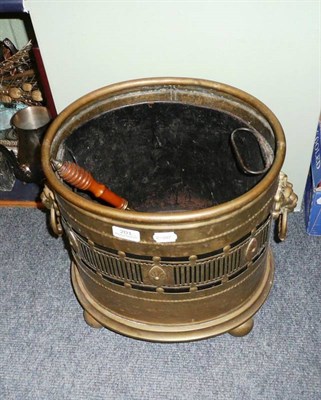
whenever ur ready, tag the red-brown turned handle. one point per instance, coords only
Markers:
(83, 180)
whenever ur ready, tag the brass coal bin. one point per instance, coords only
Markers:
(191, 258)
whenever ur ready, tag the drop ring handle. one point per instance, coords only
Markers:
(265, 150)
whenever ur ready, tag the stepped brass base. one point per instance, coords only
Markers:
(238, 322)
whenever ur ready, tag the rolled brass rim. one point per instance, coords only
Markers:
(165, 217)
(179, 332)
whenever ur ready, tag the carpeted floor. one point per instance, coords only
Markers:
(48, 352)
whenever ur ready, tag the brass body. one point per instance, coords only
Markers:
(212, 269)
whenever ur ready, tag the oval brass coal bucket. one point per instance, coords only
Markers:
(199, 163)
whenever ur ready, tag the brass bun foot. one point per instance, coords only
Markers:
(243, 329)
(91, 321)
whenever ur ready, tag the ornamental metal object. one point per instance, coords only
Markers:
(191, 259)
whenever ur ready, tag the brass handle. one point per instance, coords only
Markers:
(285, 201)
(49, 201)
(55, 222)
(283, 225)
(265, 149)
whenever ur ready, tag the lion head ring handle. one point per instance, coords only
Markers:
(285, 201)
(49, 201)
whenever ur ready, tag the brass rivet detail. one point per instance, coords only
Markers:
(73, 241)
(156, 260)
(127, 285)
(157, 275)
(121, 254)
(160, 290)
(193, 289)
(192, 259)
(91, 243)
(251, 249)
(227, 248)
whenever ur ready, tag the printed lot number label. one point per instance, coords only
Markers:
(124, 233)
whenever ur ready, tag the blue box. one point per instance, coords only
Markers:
(312, 197)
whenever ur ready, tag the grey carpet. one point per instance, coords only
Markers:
(48, 352)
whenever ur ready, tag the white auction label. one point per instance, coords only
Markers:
(165, 237)
(128, 234)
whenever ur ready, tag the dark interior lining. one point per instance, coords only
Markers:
(166, 156)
